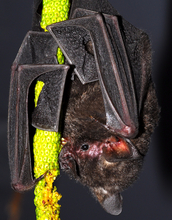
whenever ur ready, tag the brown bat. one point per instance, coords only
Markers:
(105, 105)
(95, 155)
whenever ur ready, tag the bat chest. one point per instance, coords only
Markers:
(83, 102)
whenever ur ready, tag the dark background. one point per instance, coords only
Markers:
(151, 196)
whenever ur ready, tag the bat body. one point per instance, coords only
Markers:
(97, 157)
(102, 100)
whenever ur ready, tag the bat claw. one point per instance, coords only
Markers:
(21, 187)
(41, 177)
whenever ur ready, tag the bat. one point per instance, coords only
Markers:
(102, 100)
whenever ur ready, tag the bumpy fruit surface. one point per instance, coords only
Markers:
(55, 11)
(47, 145)
(46, 148)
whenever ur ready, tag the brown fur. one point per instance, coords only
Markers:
(104, 179)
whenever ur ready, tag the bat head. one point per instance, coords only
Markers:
(107, 168)
(94, 155)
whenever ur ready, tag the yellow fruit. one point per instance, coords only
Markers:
(47, 145)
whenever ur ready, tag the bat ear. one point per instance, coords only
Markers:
(112, 203)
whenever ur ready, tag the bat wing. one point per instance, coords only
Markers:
(37, 11)
(102, 6)
(27, 67)
(122, 97)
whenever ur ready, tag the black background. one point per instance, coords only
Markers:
(151, 196)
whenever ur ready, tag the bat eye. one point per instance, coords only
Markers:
(85, 147)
